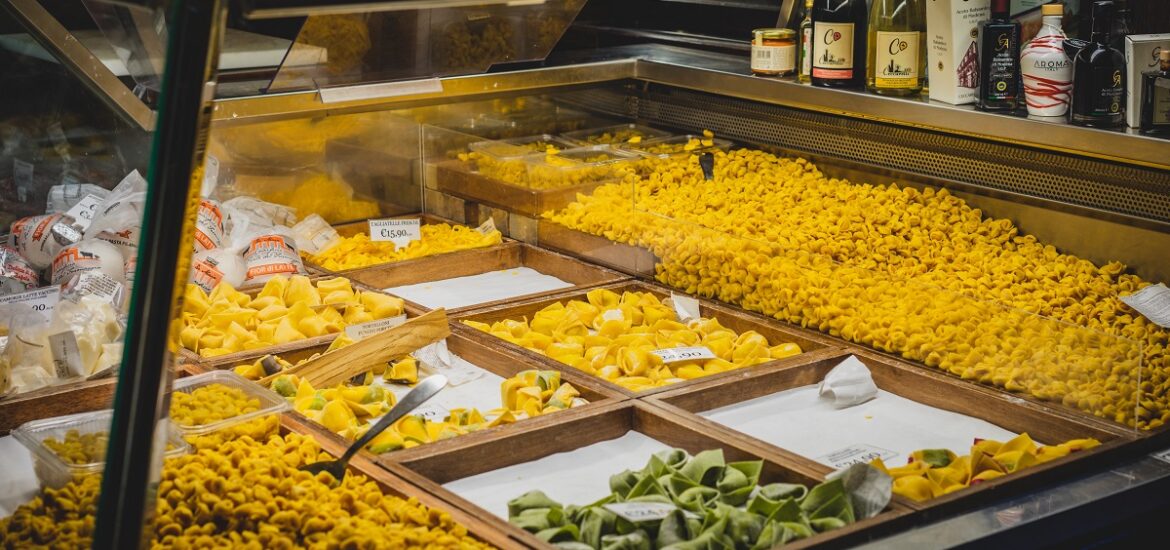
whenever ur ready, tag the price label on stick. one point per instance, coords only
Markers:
(370, 328)
(399, 232)
(41, 300)
(674, 355)
(860, 453)
(637, 512)
(488, 227)
(685, 307)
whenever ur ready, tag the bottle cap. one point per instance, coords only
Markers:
(1164, 55)
(1052, 9)
(1001, 7)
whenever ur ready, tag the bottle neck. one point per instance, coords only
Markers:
(1053, 22)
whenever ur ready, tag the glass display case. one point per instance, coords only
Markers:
(675, 305)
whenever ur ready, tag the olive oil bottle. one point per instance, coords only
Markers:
(897, 47)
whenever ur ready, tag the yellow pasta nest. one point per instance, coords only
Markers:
(79, 448)
(248, 494)
(285, 310)
(914, 272)
(209, 404)
(613, 336)
(935, 472)
(438, 238)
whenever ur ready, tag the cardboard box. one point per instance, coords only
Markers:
(1141, 56)
(952, 29)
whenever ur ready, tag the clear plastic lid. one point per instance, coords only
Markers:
(617, 134)
(270, 401)
(53, 470)
(579, 166)
(677, 145)
(516, 148)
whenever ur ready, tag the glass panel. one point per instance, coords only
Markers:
(333, 50)
(73, 193)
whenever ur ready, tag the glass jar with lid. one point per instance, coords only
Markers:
(773, 52)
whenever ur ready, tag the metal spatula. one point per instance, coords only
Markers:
(415, 397)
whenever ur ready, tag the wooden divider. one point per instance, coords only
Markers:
(570, 432)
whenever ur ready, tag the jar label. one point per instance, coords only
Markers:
(773, 59)
(833, 50)
(896, 60)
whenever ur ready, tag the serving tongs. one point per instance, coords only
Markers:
(417, 396)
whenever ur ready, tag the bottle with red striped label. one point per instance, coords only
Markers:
(1047, 70)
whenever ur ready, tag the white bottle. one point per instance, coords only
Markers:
(1047, 70)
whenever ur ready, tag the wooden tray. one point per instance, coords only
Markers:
(63, 399)
(913, 383)
(576, 429)
(187, 356)
(356, 228)
(456, 177)
(494, 360)
(814, 345)
(622, 257)
(474, 262)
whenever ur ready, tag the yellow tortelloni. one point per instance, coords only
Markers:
(614, 336)
(286, 309)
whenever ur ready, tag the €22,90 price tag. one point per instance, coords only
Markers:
(399, 232)
(674, 355)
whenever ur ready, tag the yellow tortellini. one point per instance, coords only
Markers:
(915, 272)
(247, 493)
(613, 335)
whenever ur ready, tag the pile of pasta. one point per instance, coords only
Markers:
(285, 310)
(613, 337)
(915, 272)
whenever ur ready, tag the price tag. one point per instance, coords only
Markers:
(66, 355)
(22, 175)
(42, 300)
(399, 232)
(685, 307)
(674, 355)
(855, 454)
(370, 328)
(83, 211)
(637, 512)
(488, 227)
(210, 176)
(1153, 302)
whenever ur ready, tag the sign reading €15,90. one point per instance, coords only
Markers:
(398, 231)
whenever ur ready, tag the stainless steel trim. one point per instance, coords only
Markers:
(78, 60)
(1119, 146)
(300, 104)
(374, 7)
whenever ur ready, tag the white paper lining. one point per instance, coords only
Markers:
(580, 476)
(479, 289)
(805, 423)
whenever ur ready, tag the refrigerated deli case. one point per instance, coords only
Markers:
(677, 304)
